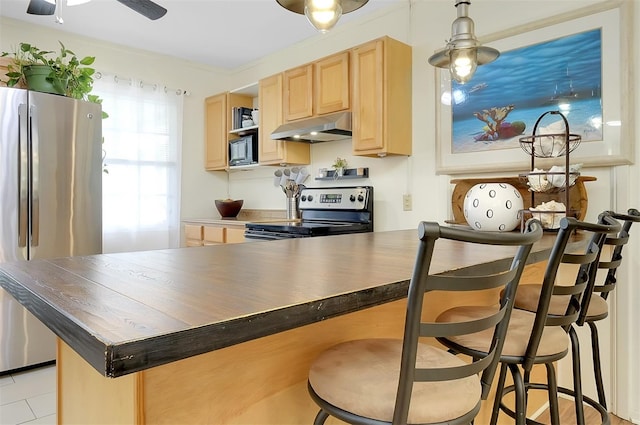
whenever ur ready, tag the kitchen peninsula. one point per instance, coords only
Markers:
(221, 334)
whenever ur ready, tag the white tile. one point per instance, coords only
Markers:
(15, 413)
(44, 375)
(47, 420)
(6, 380)
(29, 384)
(43, 405)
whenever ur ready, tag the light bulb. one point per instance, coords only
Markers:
(463, 64)
(323, 14)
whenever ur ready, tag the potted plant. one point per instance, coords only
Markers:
(62, 73)
(339, 165)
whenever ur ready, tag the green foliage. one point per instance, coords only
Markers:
(66, 67)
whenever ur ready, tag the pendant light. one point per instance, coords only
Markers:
(322, 14)
(463, 53)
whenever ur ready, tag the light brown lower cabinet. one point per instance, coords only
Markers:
(193, 235)
(201, 235)
(234, 235)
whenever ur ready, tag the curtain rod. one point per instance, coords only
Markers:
(117, 78)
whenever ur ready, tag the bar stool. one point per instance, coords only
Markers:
(592, 309)
(595, 308)
(382, 381)
(536, 337)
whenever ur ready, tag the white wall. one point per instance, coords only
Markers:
(424, 24)
(199, 188)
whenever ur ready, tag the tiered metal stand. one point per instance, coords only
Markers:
(550, 145)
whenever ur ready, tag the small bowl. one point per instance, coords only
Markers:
(229, 208)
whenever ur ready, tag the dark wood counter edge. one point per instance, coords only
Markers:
(117, 360)
(83, 342)
(114, 360)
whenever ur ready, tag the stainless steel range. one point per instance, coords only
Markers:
(323, 211)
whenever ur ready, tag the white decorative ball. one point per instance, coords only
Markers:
(493, 207)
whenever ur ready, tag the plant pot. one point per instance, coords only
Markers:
(36, 79)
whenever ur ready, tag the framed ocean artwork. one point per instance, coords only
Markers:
(574, 63)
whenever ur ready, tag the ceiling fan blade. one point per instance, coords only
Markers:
(41, 7)
(146, 8)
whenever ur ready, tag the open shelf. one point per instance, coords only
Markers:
(244, 130)
(349, 173)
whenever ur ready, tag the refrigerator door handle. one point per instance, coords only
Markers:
(23, 175)
(35, 177)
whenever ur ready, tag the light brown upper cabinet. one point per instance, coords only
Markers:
(216, 132)
(331, 89)
(381, 104)
(298, 93)
(317, 88)
(217, 126)
(274, 152)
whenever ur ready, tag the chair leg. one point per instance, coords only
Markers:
(320, 417)
(527, 380)
(498, 398)
(552, 388)
(520, 395)
(597, 366)
(577, 376)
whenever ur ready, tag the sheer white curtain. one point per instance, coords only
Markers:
(142, 148)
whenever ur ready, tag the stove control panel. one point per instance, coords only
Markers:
(342, 198)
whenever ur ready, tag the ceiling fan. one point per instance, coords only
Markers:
(146, 8)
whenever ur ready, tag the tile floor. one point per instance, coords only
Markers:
(29, 397)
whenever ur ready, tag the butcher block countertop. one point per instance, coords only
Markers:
(128, 312)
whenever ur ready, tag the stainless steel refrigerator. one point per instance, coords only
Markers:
(50, 201)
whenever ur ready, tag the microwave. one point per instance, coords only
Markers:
(244, 150)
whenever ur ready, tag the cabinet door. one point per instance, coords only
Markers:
(216, 132)
(213, 235)
(193, 235)
(270, 105)
(331, 92)
(298, 93)
(368, 83)
(381, 76)
(234, 235)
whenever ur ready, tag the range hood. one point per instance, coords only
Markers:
(326, 128)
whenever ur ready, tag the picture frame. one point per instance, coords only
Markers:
(616, 146)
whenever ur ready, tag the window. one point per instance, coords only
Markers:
(142, 145)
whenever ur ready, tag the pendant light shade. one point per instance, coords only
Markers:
(323, 14)
(463, 53)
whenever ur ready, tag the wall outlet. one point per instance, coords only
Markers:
(406, 202)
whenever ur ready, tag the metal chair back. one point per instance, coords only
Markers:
(506, 277)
